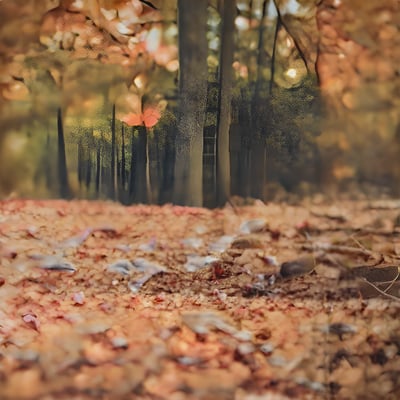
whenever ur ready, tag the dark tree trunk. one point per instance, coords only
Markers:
(98, 170)
(258, 167)
(192, 22)
(141, 166)
(244, 118)
(117, 170)
(259, 116)
(132, 188)
(88, 177)
(47, 164)
(123, 161)
(159, 172)
(62, 160)
(80, 164)
(113, 151)
(168, 166)
(138, 173)
(228, 13)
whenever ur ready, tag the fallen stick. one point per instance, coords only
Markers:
(333, 248)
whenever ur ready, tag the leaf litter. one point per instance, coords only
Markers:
(272, 301)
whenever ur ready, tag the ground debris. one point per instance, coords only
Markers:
(146, 270)
(56, 264)
(339, 329)
(247, 242)
(301, 266)
(203, 322)
(195, 262)
(253, 226)
(182, 303)
(123, 267)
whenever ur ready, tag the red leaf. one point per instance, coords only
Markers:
(132, 119)
(150, 117)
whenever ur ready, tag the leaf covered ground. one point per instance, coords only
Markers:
(276, 301)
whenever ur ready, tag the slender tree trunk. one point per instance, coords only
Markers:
(168, 166)
(47, 164)
(138, 190)
(80, 163)
(132, 176)
(123, 160)
(112, 170)
(159, 172)
(141, 194)
(62, 160)
(260, 118)
(258, 167)
(235, 155)
(98, 171)
(228, 13)
(88, 176)
(117, 172)
(192, 22)
(149, 191)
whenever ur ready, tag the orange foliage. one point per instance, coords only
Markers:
(148, 118)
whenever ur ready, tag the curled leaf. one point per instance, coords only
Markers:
(253, 226)
(301, 266)
(220, 245)
(123, 267)
(54, 263)
(195, 262)
(76, 241)
(147, 269)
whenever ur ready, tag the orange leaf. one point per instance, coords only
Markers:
(150, 116)
(133, 119)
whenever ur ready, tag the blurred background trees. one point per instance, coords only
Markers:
(195, 102)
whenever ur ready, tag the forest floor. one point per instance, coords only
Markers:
(275, 301)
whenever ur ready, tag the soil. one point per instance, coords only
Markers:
(268, 301)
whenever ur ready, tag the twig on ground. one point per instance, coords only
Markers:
(337, 218)
(357, 242)
(393, 280)
(333, 248)
(382, 292)
(356, 231)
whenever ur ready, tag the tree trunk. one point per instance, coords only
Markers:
(88, 176)
(132, 188)
(47, 164)
(168, 166)
(228, 13)
(80, 163)
(258, 167)
(141, 166)
(98, 171)
(62, 160)
(123, 160)
(112, 170)
(260, 118)
(192, 22)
